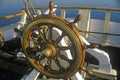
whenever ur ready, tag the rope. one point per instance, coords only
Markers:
(30, 3)
(26, 2)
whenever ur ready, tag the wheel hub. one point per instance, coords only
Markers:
(50, 50)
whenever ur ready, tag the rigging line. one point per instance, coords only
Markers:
(91, 34)
(30, 3)
(26, 2)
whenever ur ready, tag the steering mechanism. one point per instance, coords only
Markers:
(53, 46)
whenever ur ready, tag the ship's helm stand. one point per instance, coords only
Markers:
(103, 70)
(55, 48)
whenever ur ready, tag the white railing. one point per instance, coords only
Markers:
(85, 23)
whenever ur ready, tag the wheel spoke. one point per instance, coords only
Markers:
(42, 32)
(65, 58)
(32, 39)
(30, 53)
(49, 62)
(48, 67)
(58, 63)
(63, 48)
(50, 32)
(42, 36)
(45, 31)
(31, 50)
(39, 58)
(60, 38)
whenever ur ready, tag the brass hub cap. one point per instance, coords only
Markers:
(49, 51)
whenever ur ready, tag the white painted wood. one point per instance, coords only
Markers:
(47, 11)
(84, 23)
(32, 76)
(23, 20)
(63, 13)
(101, 56)
(21, 24)
(77, 76)
(106, 26)
(39, 12)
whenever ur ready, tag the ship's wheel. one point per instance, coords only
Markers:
(53, 46)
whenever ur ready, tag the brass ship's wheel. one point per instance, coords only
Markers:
(53, 46)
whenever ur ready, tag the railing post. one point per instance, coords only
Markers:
(21, 23)
(84, 22)
(106, 26)
(63, 13)
(39, 12)
(23, 20)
